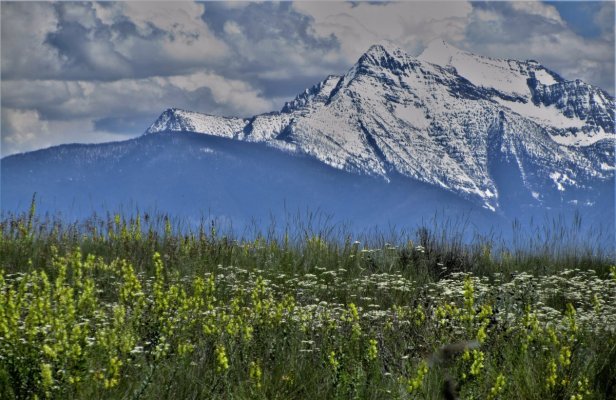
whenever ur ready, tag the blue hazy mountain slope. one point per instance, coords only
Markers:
(191, 175)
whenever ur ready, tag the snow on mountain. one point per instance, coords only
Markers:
(509, 77)
(448, 118)
(174, 119)
(579, 101)
(535, 92)
(317, 95)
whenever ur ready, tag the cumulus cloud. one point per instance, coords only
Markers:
(58, 99)
(82, 111)
(105, 41)
(25, 130)
(536, 8)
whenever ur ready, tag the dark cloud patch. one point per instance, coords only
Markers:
(83, 51)
(515, 26)
(69, 40)
(268, 37)
(125, 125)
(288, 87)
(124, 29)
(580, 16)
(267, 21)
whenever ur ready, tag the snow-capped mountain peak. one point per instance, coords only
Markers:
(383, 50)
(448, 118)
(175, 119)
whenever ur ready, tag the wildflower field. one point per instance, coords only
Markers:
(129, 309)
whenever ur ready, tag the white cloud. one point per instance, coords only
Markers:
(232, 93)
(485, 15)
(24, 125)
(232, 28)
(47, 112)
(108, 13)
(82, 13)
(358, 26)
(100, 99)
(538, 8)
(30, 132)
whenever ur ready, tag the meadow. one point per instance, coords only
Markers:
(138, 308)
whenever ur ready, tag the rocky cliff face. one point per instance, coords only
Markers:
(577, 100)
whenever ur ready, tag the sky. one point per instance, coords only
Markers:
(95, 72)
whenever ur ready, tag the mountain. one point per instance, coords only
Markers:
(447, 118)
(392, 139)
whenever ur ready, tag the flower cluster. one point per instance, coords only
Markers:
(92, 323)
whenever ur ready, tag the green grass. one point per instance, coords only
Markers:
(115, 308)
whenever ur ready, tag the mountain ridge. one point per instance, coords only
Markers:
(394, 112)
